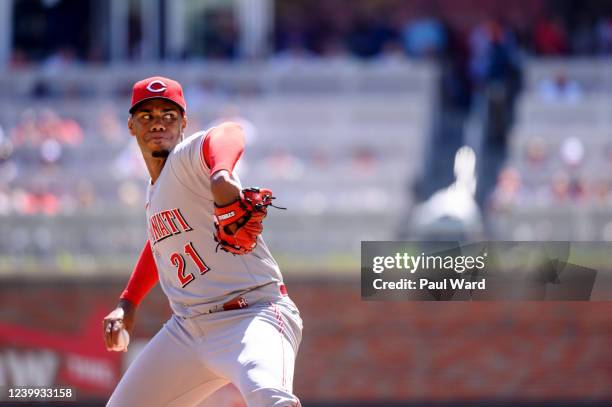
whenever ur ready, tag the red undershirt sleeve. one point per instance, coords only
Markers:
(222, 147)
(143, 278)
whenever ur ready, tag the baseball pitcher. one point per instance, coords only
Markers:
(232, 319)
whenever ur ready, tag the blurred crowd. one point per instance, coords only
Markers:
(41, 157)
(59, 164)
(365, 29)
(477, 42)
(425, 29)
(474, 48)
(566, 182)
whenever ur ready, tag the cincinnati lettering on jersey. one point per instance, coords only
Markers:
(167, 223)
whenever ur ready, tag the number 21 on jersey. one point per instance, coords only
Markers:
(178, 260)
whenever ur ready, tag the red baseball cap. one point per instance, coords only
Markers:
(158, 87)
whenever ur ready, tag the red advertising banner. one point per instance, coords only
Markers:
(51, 336)
(37, 357)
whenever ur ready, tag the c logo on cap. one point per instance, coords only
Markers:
(160, 88)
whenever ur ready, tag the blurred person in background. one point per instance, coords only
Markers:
(604, 35)
(369, 34)
(64, 57)
(549, 36)
(424, 35)
(583, 38)
(560, 89)
(220, 35)
(452, 213)
(507, 194)
(496, 73)
(37, 126)
(26, 131)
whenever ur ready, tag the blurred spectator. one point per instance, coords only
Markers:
(452, 212)
(334, 50)
(604, 35)
(95, 55)
(294, 51)
(35, 127)
(134, 35)
(495, 71)
(560, 88)
(583, 36)
(493, 52)
(424, 36)
(85, 194)
(572, 151)
(368, 35)
(536, 152)
(63, 58)
(392, 54)
(19, 59)
(303, 27)
(39, 200)
(50, 151)
(220, 35)
(320, 158)
(367, 27)
(549, 37)
(63, 130)
(560, 186)
(567, 188)
(577, 189)
(364, 160)
(292, 36)
(508, 187)
(26, 131)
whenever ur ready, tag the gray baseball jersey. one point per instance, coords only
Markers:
(180, 212)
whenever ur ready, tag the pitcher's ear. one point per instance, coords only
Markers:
(130, 124)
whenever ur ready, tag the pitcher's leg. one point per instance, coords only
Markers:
(260, 357)
(166, 372)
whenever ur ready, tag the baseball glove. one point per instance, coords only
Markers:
(238, 224)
